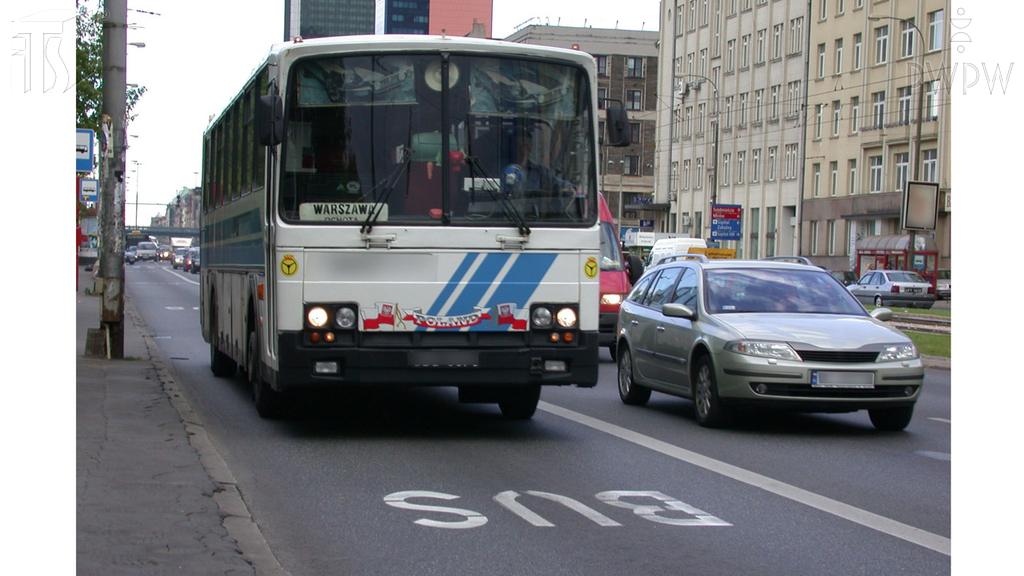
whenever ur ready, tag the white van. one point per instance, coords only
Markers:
(672, 246)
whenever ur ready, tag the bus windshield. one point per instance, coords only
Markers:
(365, 142)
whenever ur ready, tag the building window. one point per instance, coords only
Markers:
(673, 177)
(821, 60)
(743, 109)
(857, 50)
(814, 238)
(686, 174)
(602, 65)
(796, 35)
(755, 232)
(931, 106)
(730, 56)
(632, 165)
(745, 51)
(931, 165)
(704, 13)
(634, 67)
(792, 158)
(770, 225)
(818, 109)
(704, 62)
(902, 165)
(935, 30)
(794, 97)
(851, 185)
(761, 39)
(836, 116)
(823, 12)
(816, 182)
(725, 169)
(634, 100)
(728, 111)
(854, 114)
(903, 112)
(774, 112)
(693, 15)
(878, 109)
(741, 164)
(634, 132)
(840, 7)
(907, 38)
(777, 41)
(831, 237)
(602, 93)
(698, 175)
(755, 165)
(758, 101)
(839, 57)
(677, 119)
(700, 118)
(834, 181)
(875, 174)
(773, 153)
(881, 44)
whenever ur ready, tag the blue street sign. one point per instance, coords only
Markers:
(84, 144)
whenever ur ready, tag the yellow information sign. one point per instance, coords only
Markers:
(289, 266)
(590, 268)
(715, 253)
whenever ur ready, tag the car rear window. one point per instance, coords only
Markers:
(905, 277)
(776, 291)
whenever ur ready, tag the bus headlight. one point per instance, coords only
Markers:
(566, 318)
(317, 317)
(345, 318)
(541, 317)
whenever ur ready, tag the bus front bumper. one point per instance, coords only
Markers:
(302, 366)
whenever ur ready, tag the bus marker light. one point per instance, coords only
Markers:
(555, 366)
(554, 337)
(325, 368)
(314, 337)
(329, 337)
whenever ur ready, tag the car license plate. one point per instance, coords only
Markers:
(830, 379)
(912, 290)
(444, 359)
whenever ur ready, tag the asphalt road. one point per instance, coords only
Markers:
(412, 482)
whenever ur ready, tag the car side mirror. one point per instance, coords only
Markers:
(270, 120)
(674, 310)
(883, 314)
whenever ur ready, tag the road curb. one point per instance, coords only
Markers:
(937, 362)
(237, 519)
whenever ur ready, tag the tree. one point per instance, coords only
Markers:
(89, 71)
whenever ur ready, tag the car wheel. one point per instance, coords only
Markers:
(520, 403)
(707, 406)
(268, 401)
(221, 364)
(891, 419)
(629, 391)
(878, 301)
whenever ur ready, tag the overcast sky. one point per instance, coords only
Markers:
(198, 55)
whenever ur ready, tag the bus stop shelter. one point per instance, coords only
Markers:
(890, 252)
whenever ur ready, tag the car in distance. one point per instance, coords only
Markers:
(164, 252)
(146, 251)
(845, 276)
(129, 255)
(769, 335)
(894, 288)
(942, 285)
(178, 260)
(192, 262)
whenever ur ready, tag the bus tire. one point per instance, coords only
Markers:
(519, 403)
(268, 401)
(221, 364)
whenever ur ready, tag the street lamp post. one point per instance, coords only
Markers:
(138, 182)
(916, 156)
(714, 146)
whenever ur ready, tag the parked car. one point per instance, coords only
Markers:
(942, 286)
(146, 251)
(178, 260)
(192, 263)
(845, 276)
(129, 255)
(894, 288)
(164, 252)
(729, 333)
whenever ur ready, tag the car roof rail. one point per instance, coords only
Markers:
(795, 259)
(701, 257)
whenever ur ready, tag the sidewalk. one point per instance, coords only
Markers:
(153, 496)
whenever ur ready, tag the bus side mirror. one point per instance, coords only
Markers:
(618, 126)
(270, 120)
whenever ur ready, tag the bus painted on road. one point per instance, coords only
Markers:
(406, 210)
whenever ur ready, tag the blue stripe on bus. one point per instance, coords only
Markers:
(518, 286)
(453, 282)
(479, 284)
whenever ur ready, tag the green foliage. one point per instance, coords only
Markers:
(89, 71)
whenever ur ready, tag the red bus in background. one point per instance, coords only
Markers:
(614, 279)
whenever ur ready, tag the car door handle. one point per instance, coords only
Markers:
(661, 328)
(633, 322)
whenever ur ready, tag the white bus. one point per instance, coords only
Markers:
(406, 210)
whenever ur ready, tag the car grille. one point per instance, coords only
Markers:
(837, 356)
(806, 391)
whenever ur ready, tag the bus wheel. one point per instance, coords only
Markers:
(268, 402)
(221, 364)
(519, 403)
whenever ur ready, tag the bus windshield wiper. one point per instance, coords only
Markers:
(500, 197)
(389, 184)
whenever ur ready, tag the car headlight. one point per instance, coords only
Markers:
(779, 350)
(611, 299)
(566, 318)
(897, 352)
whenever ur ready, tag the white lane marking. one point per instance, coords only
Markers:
(941, 420)
(882, 524)
(174, 308)
(179, 276)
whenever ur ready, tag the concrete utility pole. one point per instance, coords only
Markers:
(111, 201)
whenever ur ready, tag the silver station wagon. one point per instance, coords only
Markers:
(730, 333)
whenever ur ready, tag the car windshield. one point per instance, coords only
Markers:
(943, 275)
(611, 256)
(905, 277)
(768, 290)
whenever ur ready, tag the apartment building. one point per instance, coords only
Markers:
(627, 71)
(875, 91)
(737, 82)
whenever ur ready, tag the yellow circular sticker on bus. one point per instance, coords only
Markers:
(289, 266)
(590, 268)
